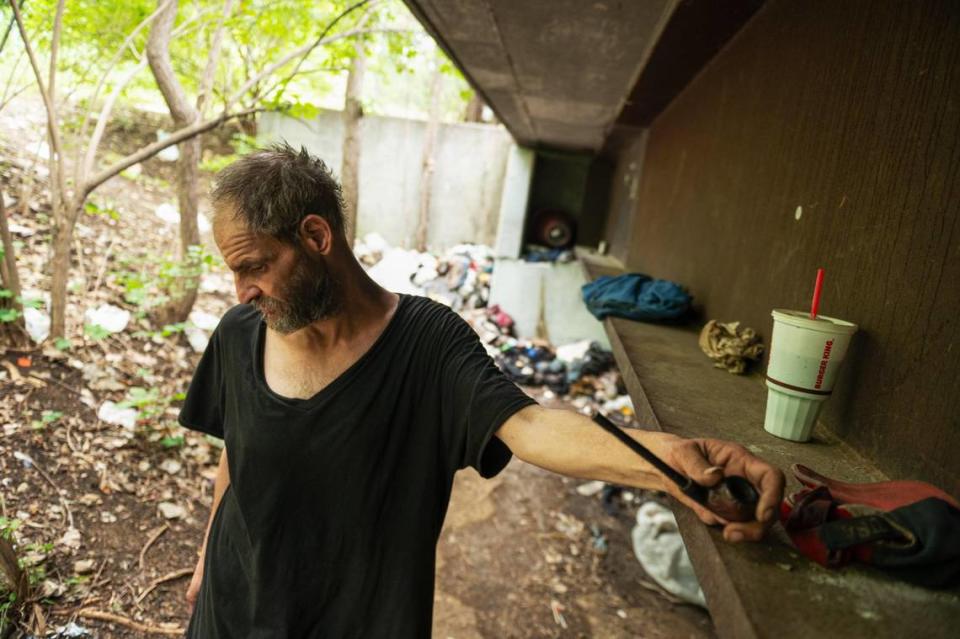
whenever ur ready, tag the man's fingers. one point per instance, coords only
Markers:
(695, 465)
(706, 516)
(770, 482)
(748, 531)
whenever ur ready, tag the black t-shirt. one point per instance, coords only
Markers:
(330, 522)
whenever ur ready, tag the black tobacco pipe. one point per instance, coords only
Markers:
(734, 498)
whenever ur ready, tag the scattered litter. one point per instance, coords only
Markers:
(204, 321)
(22, 231)
(460, 278)
(168, 213)
(370, 250)
(112, 413)
(574, 351)
(132, 172)
(23, 459)
(84, 566)
(37, 324)
(622, 404)
(169, 154)
(730, 346)
(71, 630)
(171, 511)
(537, 253)
(170, 466)
(599, 540)
(395, 271)
(659, 548)
(197, 338)
(110, 318)
(90, 499)
(70, 539)
(590, 488)
(557, 609)
(52, 588)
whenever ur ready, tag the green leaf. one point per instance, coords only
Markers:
(304, 111)
(171, 329)
(30, 302)
(95, 332)
(172, 442)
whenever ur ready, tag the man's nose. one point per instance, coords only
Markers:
(247, 292)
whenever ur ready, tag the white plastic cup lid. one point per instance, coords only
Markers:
(823, 324)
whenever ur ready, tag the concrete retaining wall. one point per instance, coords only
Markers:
(470, 162)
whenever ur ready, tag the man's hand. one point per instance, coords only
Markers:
(571, 444)
(194, 588)
(707, 461)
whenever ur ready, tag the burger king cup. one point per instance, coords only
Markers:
(805, 358)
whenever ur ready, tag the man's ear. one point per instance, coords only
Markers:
(316, 234)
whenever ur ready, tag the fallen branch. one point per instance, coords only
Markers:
(90, 613)
(55, 381)
(177, 574)
(153, 537)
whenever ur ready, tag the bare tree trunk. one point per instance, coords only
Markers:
(350, 169)
(16, 578)
(184, 114)
(188, 179)
(474, 110)
(11, 333)
(426, 175)
(60, 273)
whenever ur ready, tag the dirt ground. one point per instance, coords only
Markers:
(521, 555)
(519, 546)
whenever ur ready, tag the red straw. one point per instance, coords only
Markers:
(815, 305)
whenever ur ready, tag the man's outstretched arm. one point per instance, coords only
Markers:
(571, 444)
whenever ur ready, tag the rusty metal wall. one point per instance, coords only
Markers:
(827, 134)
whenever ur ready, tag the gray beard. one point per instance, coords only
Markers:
(311, 295)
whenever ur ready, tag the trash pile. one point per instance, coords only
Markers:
(582, 371)
(537, 253)
(459, 279)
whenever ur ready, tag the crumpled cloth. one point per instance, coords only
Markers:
(730, 346)
(635, 296)
(908, 529)
(660, 550)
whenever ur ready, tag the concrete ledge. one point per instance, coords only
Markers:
(765, 589)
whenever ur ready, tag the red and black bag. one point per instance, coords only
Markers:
(909, 529)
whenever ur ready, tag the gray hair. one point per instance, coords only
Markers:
(273, 189)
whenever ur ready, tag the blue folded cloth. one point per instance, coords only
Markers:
(635, 296)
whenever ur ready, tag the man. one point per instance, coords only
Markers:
(346, 410)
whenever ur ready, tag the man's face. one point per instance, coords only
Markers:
(289, 287)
